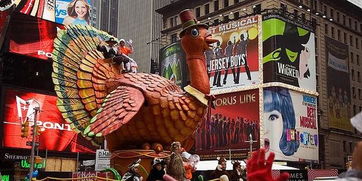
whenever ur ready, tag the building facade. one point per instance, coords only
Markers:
(136, 21)
(334, 22)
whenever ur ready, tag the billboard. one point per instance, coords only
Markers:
(235, 117)
(39, 44)
(173, 63)
(233, 62)
(290, 127)
(72, 12)
(288, 53)
(4, 20)
(58, 135)
(44, 9)
(338, 85)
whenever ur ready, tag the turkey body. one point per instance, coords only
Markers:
(168, 113)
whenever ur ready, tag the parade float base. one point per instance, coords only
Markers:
(121, 159)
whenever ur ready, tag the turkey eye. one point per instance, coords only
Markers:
(195, 32)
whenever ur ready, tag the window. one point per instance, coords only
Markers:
(351, 40)
(353, 92)
(357, 43)
(226, 3)
(236, 15)
(359, 94)
(283, 7)
(350, 22)
(303, 17)
(357, 58)
(355, 25)
(173, 38)
(345, 38)
(295, 14)
(325, 9)
(338, 17)
(350, 147)
(171, 22)
(207, 9)
(354, 110)
(331, 13)
(257, 8)
(352, 74)
(326, 29)
(344, 20)
(351, 57)
(332, 31)
(198, 12)
(338, 34)
(344, 146)
(216, 5)
(358, 76)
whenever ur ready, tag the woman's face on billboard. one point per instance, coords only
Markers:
(273, 126)
(80, 9)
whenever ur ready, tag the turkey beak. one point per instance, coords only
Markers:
(209, 40)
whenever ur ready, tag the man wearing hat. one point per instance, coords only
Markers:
(129, 65)
(109, 49)
(157, 172)
(133, 173)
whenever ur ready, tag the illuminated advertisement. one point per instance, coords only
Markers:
(72, 12)
(44, 9)
(288, 53)
(32, 36)
(290, 127)
(338, 85)
(235, 117)
(233, 62)
(172, 64)
(4, 20)
(57, 135)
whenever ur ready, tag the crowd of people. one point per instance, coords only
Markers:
(223, 132)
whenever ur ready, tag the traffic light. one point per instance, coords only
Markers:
(38, 130)
(25, 129)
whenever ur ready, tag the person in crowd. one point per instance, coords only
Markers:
(355, 172)
(157, 172)
(126, 50)
(228, 52)
(238, 173)
(279, 119)
(133, 173)
(78, 13)
(220, 170)
(175, 167)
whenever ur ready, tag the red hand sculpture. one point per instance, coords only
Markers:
(259, 169)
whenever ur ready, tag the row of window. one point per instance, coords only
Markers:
(353, 61)
(353, 42)
(342, 19)
(354, 95)
(215, 6)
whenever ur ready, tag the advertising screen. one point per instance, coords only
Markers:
(233, 62)
(57, 134)
(32, 36)
(338, 85)
(72, 12)
(288, 53)
(235, 117)
(43, 9)
(172, 64)
(4, 21)
(290, 127)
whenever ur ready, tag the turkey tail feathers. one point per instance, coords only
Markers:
(80, 73)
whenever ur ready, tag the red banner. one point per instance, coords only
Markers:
(4, 20)
(58, 135)
(32, 36)
(236, 117)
